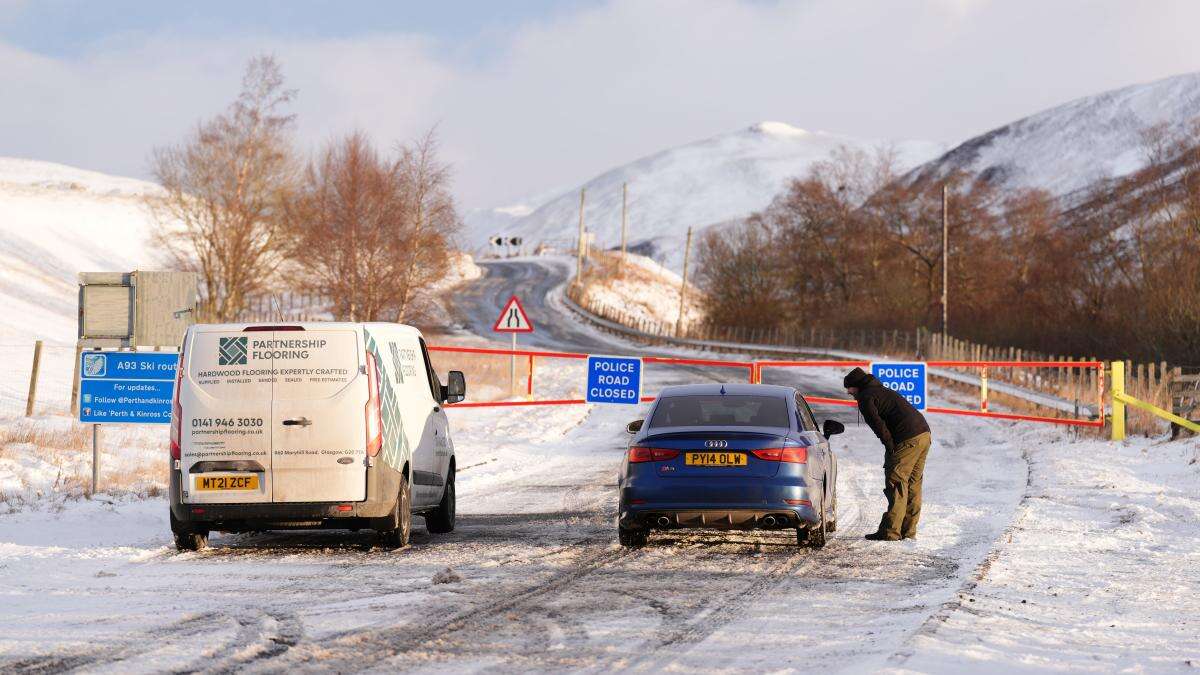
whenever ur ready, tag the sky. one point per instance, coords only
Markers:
(529, 96)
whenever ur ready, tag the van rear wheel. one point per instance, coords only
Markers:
(397, 527)
(188, 537)
(441, 519)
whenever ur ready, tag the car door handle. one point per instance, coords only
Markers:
(298, 422)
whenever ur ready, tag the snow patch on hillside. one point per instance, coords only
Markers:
(1070, 147)
(57, 221)
(717, 180)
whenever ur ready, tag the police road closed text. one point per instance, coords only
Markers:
(910, 380)
(614, 379)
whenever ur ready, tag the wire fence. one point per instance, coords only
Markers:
(54, 382)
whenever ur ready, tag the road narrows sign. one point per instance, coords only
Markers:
(513, 318)
(910, 379)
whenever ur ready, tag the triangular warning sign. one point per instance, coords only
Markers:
(513, 319)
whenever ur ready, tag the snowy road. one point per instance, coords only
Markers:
(532, 579)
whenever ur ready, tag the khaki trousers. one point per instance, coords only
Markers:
(903, 469)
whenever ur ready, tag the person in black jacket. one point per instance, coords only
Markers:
(906, 438)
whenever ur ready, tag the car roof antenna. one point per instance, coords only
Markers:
(722, 390)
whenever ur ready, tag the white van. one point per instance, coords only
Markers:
(311, 425)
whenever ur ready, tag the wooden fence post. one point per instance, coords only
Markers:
(75, 380)
(33, 378)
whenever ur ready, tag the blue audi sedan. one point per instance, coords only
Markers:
(731, 457)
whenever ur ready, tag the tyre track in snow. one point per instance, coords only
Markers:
(201, 626)
(364, 650)
(683, 633)
(935, 621)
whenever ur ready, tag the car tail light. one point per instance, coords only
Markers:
(789, 455)
(372, 411)
(642, 454)
(176, 408)
(797, 502)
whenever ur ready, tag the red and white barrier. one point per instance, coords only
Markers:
(754, 375)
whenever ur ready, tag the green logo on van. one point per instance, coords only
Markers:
(232, 351)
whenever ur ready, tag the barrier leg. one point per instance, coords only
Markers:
(529, 386)
(983, 389)
(1118, 406)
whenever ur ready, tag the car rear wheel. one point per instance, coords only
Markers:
(441, 519)
(814, 535)
(831, 518)
(397, 527)
(632, 538)
(188, 537)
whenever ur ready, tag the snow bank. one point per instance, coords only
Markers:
(1098, 571)
(645, 290)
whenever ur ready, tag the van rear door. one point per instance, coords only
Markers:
(318, 418)
(225, 436)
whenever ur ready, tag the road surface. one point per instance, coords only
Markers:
(532, 579)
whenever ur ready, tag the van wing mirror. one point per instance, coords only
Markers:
(832, 428)
(455, 389)
(634, 426)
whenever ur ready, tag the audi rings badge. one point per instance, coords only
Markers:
(716, 444)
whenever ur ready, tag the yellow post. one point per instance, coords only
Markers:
(1118, 406)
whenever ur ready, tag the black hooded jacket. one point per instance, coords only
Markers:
(890, 416)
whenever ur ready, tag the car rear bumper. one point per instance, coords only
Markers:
(382, 490)
(762, 517)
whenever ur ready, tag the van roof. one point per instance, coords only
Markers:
(306, 325)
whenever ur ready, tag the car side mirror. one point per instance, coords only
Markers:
(634, 426)
(455, 389)
(832, 428)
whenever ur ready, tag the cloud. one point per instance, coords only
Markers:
(563, 98)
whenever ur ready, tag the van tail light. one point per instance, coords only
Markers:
(373, 413)
(789, 455)
(176, 408)
(642, 454)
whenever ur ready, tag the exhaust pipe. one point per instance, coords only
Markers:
(769, 521)
(663, 521)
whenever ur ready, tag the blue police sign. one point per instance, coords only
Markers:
(909, 379)
(126, 387)
(614, 379)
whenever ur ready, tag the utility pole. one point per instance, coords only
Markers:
(624, 219)
(579, 252)
(945, 262)
(687, 250)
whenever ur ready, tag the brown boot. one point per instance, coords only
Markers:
(880, 536)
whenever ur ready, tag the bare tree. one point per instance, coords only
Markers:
(432, 219)
(370, 233)
(223, 191)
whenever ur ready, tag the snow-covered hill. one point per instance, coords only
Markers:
(716, 180)
(1068, 148)
(57, 221)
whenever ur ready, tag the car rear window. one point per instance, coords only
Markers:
(720, 411)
